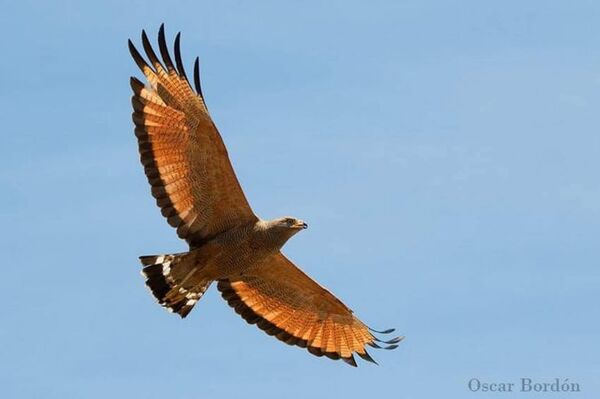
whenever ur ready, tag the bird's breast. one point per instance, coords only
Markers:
(237, 251)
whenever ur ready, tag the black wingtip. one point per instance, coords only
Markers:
(137, 57)
(130, 46)
(136, 85)
(161, 29)
(391, 341)
(350, 360)
(389, 347)
(132, 50)
(197, 77)
(178, 61)
(144, 36)
(164, 51)
(388, 331)
(150, 51)
(367, 357)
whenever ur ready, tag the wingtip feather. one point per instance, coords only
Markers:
(164, 51)
(178, 60)
(367, 357)
(350, 360)
(197, 84)
(388, 331)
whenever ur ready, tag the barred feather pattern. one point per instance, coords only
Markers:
(287, 304)
(183, 154)
(170, 292)
(195, 187)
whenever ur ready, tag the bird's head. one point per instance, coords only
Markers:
(289, 223)
(278, 231)
(282, 229)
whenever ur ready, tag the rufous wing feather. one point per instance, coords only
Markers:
(284, 302)
(182, 152)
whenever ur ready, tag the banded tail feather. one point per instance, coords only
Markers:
(169, 278)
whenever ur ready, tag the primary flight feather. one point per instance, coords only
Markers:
(194, 185)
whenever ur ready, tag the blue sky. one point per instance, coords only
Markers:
(445, 155)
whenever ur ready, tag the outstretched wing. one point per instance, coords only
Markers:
(181, 150)
(286, 303)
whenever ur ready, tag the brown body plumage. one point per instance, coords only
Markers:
(195, 186)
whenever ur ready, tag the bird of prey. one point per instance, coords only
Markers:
(194, 185)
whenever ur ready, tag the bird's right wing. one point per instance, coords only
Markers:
(181, 150)
(286, 303)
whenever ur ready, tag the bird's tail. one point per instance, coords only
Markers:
(174, 281)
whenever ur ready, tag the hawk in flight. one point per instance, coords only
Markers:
(194, 185)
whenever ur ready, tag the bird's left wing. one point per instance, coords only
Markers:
(284, 302)
(183, 154)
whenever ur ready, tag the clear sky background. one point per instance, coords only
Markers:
(444, 153)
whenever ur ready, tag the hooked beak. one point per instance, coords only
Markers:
(300, 225)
